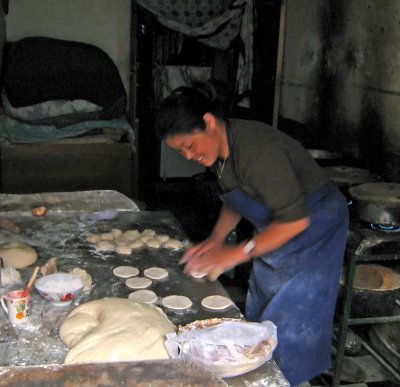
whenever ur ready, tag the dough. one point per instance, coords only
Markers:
(145, 238)
(125, 271)
(132, 233)
(216, 302)
(198, 274)
(136, 244)
(144, 295)
(161, 237)
(154, 243)
(107, 236)
(115, 329)
(18, 255)
(86, 277)
(122, 248)
(105, 245)
(93, 238)
(116, 232)
(125, 239)
(173, 244)
(177, 302)
(155, 273)
(138, 282)
(149, 231)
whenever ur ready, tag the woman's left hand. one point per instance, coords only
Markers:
(216, 261)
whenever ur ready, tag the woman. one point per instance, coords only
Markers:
(300, 218)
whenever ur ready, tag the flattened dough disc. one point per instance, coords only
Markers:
(138, 282)
(155, 273)
(125, 271)
(216, 302)
(143, 295)
(177, 302)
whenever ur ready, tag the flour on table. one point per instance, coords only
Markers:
(155, 273)
(176, 302)
(115, 329)
(143, 295)
(216, 302)
(138, 282)
(125, 271)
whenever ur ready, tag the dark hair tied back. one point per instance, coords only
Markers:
(182, 112)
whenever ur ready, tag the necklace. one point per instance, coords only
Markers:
(222, 168)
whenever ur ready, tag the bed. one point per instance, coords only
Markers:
(63, 123)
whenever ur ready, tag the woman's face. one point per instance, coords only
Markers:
(201, 146)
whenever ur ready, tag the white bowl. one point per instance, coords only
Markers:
(59, 288)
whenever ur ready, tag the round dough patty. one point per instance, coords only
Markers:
(216, 302)
(125, 271)
(177, 302)
(143, 295)
(138, 282)
(155, 273)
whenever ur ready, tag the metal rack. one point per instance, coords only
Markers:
(353, 258)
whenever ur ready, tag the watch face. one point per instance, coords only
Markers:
(249, 246)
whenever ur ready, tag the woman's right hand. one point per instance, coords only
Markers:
(200, 249)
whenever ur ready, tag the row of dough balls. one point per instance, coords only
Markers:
(124, 242)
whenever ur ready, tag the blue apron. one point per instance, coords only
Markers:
(296, 286)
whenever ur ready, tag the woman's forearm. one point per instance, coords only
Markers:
(227, 221)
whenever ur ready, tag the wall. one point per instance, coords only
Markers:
(341, 77)
(103, 23)
(3, 36)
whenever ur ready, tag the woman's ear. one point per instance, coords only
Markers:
(210, 121)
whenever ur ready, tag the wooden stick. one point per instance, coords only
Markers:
(31, 280)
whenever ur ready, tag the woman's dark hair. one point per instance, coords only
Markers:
(182, 112)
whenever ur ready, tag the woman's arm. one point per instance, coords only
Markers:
(218, 260)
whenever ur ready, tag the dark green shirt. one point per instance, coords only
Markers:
(271, 167)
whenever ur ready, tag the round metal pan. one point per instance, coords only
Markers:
(377, 203)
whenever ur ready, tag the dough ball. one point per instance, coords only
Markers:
(115, 329)
(93, 238)
(86, 277)
(105, 246)
(149, 231)
(154, 243)
(125, 239)
(107, 236)
(123, 249)
(116, 232)
(145, 238)
(132, 233)
(18, 255)
(161, 237)
(173, 244)
(136, 244)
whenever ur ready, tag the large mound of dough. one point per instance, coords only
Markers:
(115, 329)
(18, 255)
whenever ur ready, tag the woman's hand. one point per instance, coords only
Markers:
(215, 261)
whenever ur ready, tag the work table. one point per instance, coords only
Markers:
(62, 233)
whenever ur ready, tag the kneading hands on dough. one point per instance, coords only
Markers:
(214, 257)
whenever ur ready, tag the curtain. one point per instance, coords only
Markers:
(215, 23)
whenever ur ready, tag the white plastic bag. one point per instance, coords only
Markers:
(228, 347)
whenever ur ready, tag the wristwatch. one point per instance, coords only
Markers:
(249, 247)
